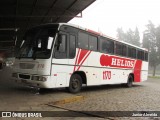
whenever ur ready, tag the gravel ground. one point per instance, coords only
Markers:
(143, 96)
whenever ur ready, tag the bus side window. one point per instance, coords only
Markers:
(107, 46)
(118, 48)
(121, 49)
(140, 54)
(124, 50)
(83, 40)
(131, 52)
(93, 43)
(72, 46)
(62, 43)
(60, 47)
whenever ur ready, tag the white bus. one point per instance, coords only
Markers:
(65, 55)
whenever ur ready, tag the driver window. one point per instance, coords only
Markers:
(62, 43)
(61, 47)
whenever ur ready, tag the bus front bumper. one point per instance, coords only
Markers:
(31, 80)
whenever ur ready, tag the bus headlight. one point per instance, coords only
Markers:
(15, 75)
(39, 78)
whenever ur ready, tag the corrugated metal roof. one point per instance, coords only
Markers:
(22, 14)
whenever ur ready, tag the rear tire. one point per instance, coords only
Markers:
(75, 84)
(130, 81)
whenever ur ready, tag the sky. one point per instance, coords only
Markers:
(107, 15)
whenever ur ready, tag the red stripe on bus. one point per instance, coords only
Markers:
(137, 71)
(94, 32)
(84, 60)
(82, 55)
(76, 59)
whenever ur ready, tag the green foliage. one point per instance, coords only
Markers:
(155, 77)
(151, 41)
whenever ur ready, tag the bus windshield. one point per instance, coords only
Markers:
(37, 43)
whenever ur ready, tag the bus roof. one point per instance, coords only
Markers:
(94, 32)
(101, 34)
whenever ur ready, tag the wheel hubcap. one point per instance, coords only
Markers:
(75, 83)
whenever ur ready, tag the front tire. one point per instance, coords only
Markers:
(75, 84)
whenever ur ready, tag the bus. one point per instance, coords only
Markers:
(64, 55)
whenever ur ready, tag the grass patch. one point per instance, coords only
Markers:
(156, 77)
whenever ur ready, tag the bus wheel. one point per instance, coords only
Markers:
(130, 81)
(75, 84)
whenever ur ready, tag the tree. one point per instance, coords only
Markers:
(136, 40)
(158, 40)
(151, 41)
(130, 36)
(120, 34)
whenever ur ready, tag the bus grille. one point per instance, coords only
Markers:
(24, 76)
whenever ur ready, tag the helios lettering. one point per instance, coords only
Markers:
(114, 61)
(122, 62)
